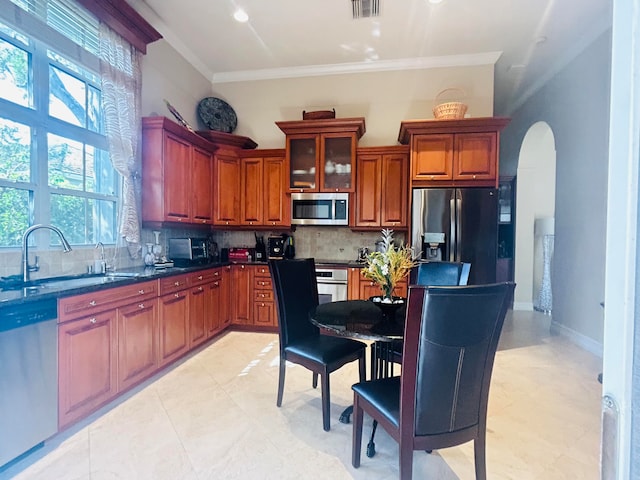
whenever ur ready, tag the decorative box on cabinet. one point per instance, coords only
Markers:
(321, 153)
(172, 158)
(382, 188)
(263, 194)
(453, 152)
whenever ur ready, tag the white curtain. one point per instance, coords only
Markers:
(121, 87)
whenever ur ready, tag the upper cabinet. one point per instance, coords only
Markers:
(173, 157)
(264, 201)
(320, 154)
(381, 188)
(453, 152)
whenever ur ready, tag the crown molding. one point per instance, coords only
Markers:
(418, 63)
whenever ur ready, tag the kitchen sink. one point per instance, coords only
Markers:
(79, 282)
(123, 274)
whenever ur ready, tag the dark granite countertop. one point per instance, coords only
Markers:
(57, 287)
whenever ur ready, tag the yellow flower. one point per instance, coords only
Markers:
(389, 267)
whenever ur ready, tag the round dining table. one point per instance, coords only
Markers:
(360, 319)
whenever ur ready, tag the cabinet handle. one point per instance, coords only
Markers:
(92, 320)
(262, 304)
(242, 267)
(200, 277)
(199, 289)
(141, 292)
(141, 305)
(92, 303)
(215, 283)
(176, 283)
(177, 295)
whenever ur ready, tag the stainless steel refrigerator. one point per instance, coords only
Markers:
(457, 225)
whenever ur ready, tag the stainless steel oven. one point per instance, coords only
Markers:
(332, 284)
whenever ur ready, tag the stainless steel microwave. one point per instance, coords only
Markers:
(320, 209)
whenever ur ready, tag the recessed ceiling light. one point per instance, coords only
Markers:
(240, 15)
(435, 2)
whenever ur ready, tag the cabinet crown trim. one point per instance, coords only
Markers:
(465, 125)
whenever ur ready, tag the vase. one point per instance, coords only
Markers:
(388, 308)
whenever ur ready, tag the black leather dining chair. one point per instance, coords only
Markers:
(425, 273)
(301, 342)
(440, 398)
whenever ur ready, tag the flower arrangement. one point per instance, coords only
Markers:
(387, 268)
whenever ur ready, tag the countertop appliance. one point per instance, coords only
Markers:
(332, 284)
(188, 251)
(458, 225)
(275, 247)
(320, 209)
(28, 377)
(240, 254)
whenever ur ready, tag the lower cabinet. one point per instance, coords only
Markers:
(174, 326)
(264, 310)
(87, 365)
(361, 288)
(241, 294)
(137, 342)
(225, 311)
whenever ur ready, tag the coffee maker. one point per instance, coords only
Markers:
(275, 247)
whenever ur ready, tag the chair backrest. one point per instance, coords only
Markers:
(296, 293)
(451, 337)
(441, 273)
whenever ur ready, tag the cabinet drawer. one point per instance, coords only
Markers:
(262, 283)
(90, 303)
(173, 284)
(263, 295)
(203, 276)
(262, 272)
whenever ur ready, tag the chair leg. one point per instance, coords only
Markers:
(362, 364)
(356, 437)
(314, 382)
(406, 461)
(480, 444)
(326, 407)
(283, 368)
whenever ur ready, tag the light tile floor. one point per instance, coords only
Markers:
(213, 416)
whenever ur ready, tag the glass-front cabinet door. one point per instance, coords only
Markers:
(321, 154)
(337, 155)
(303, 159)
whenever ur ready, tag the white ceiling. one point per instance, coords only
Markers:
(528, 40)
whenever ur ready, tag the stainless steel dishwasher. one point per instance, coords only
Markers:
(28, 376)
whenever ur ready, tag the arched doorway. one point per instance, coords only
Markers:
(535, 199)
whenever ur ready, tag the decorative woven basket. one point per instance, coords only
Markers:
(319, 114)
(449, 110)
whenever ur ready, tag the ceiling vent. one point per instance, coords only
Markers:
(365, 8)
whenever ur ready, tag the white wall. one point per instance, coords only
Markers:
(575, 104)
(385, 99)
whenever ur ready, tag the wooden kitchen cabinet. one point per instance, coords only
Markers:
(361, 288)
(226, 190)
(320, 154)
(137, 342)
(382, 188)
(225, 311)
(172, 159)
(453, 152)
(101, 348)
(241, 290)
(174, 337)
(264, 199)
(264, 309)
(87, 378)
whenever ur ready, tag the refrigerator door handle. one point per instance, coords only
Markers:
(452, 227)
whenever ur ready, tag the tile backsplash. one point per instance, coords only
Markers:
(326, 243)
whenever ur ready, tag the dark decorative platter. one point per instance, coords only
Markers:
(217, 114)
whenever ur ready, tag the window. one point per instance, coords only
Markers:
(54, 160)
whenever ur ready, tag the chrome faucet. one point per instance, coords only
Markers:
(26, 268)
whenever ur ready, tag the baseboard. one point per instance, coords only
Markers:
(589, 344)
(526, 306)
